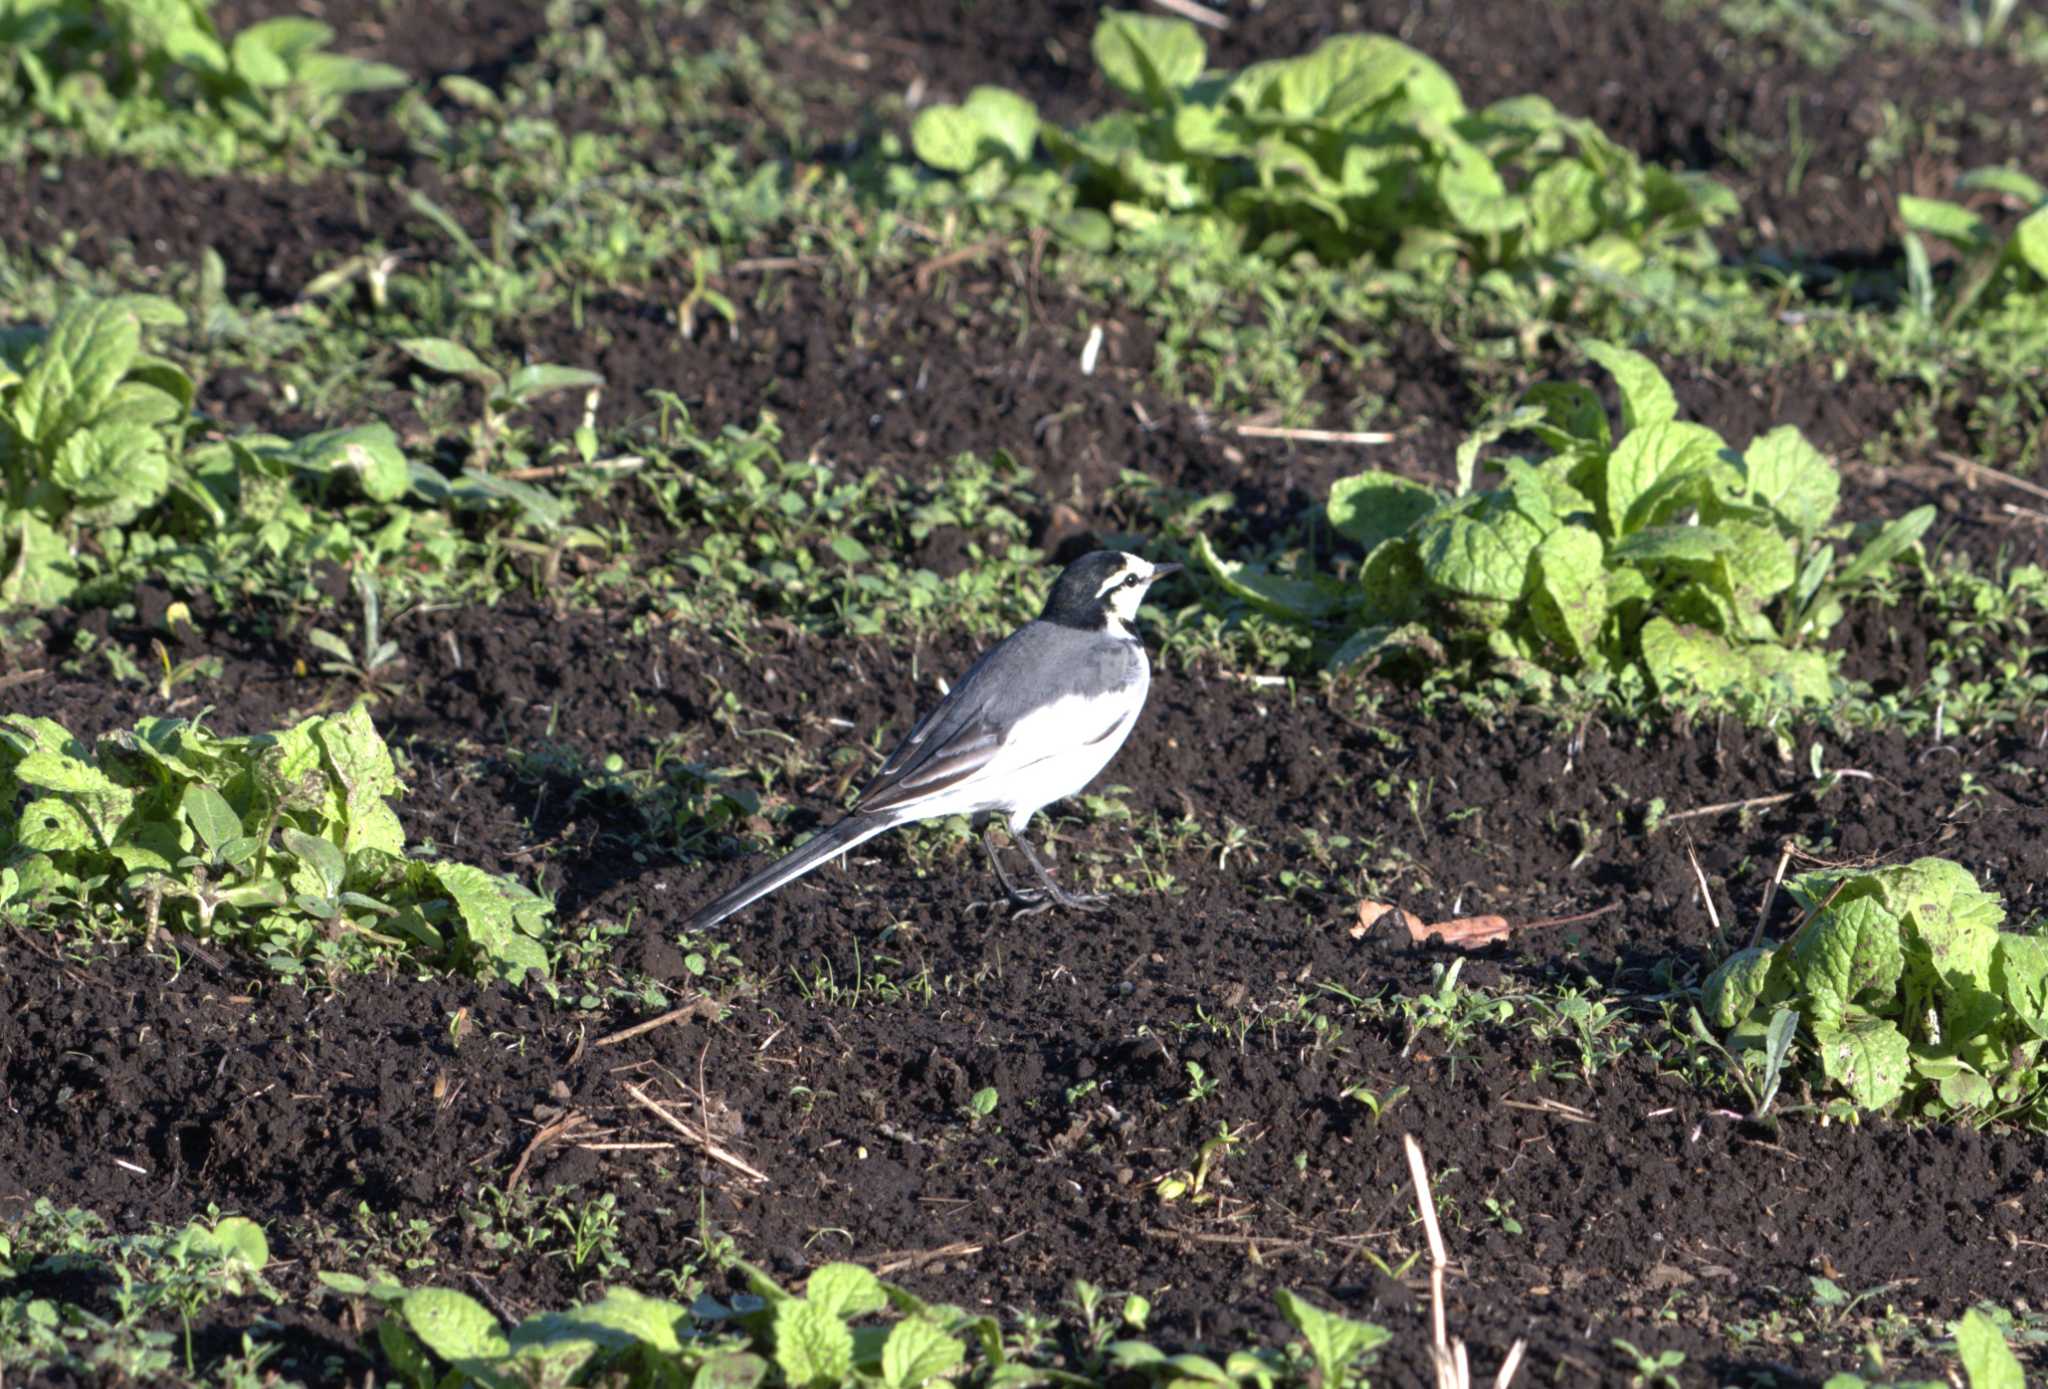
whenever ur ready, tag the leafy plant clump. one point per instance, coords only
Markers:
(1906, 991)
(1995, 269)
(437, 1337)
(1362, 148)
(285, 843)
(101, 480)
(1662, 554)
(156, 78)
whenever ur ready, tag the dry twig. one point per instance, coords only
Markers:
(1453, 1366)
(1312, 436)
(699, 1140)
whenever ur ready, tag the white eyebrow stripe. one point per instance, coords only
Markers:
(1113, 580)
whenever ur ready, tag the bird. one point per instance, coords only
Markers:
(1033, 721)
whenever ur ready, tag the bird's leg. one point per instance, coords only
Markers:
(1053, 894)
(1016, 894)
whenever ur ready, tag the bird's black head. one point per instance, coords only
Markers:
(1101, 591)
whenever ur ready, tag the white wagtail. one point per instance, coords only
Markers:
(1031, 722)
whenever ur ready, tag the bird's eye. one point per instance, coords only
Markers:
(1131, 582)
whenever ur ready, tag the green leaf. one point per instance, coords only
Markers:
(1148, 57)
(369, 452)
(2011, 183)
(320, 855)
(1758, 564)
(845, 1290)
(2030, 241)
(74, 371)
(1950, 221)
(1855, 947)
(1870, 1059)
(210, 814)
(917, 1351)
(450, 358)
(1479, 547)
(1334, 1342)
(1733, 990)
(360, 764)
(731, 1370)
(1473, 191)
(1646, 396)
(1891, 542)
(1304, 600)
(1568, 589)
(1646, 456)
(116, 469)
(993, 122)
(1572, 415)
(1987, 1360)
(1686, 547)
(243, 1239)
(531, 383)
(1794, 479)
(36, 564)
(453, 1325)
(812, 1346)
(1367, 508)
(488, 922)
(1688, 659)
(2019, 972)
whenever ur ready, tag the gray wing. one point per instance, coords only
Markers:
(1037, 663)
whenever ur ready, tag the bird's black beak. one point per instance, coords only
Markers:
(1160, 571)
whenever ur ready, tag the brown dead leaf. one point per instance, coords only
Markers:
(1369, 914)
(1466, 932)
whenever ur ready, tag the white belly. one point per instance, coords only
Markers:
(1047, 757)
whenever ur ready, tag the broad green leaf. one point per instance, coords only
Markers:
(361, 765)
(453, 1325)
(488, 922)
(2030, 241)
(1521, 417)
(51, 825)
(2019, 972)
(1688, 547)
(1687, 659)
(1334, 1342)
(1646, 396)
(1564, 205)
(1987, 1360)
(1350, 80)
(812, 1346)
(1853, 948)
(450, 358)
(74, 371)
(37, 568)
(1869, 1058)
(1952, 924)
(1568, 589)
(1758, 564)
(114, 471)
(621, 1319)
(917, 1351)
(244, 1240)
(1304, 600)
(1801, 677)
(1733, 990)
(1646, 455)
(319, 855)
(731, 1370)
(1148, 57)
(370, 452)
(1473, 191)
(1367, 508)
(1950, 221)
(211, 815)
(1008, 120)
(845, 1290)
(1794, 479)
(1479, 547)
(256, 61)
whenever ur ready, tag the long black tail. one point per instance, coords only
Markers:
(854, 829)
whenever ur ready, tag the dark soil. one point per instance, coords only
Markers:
(1648, 1212)
(294, 1105)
